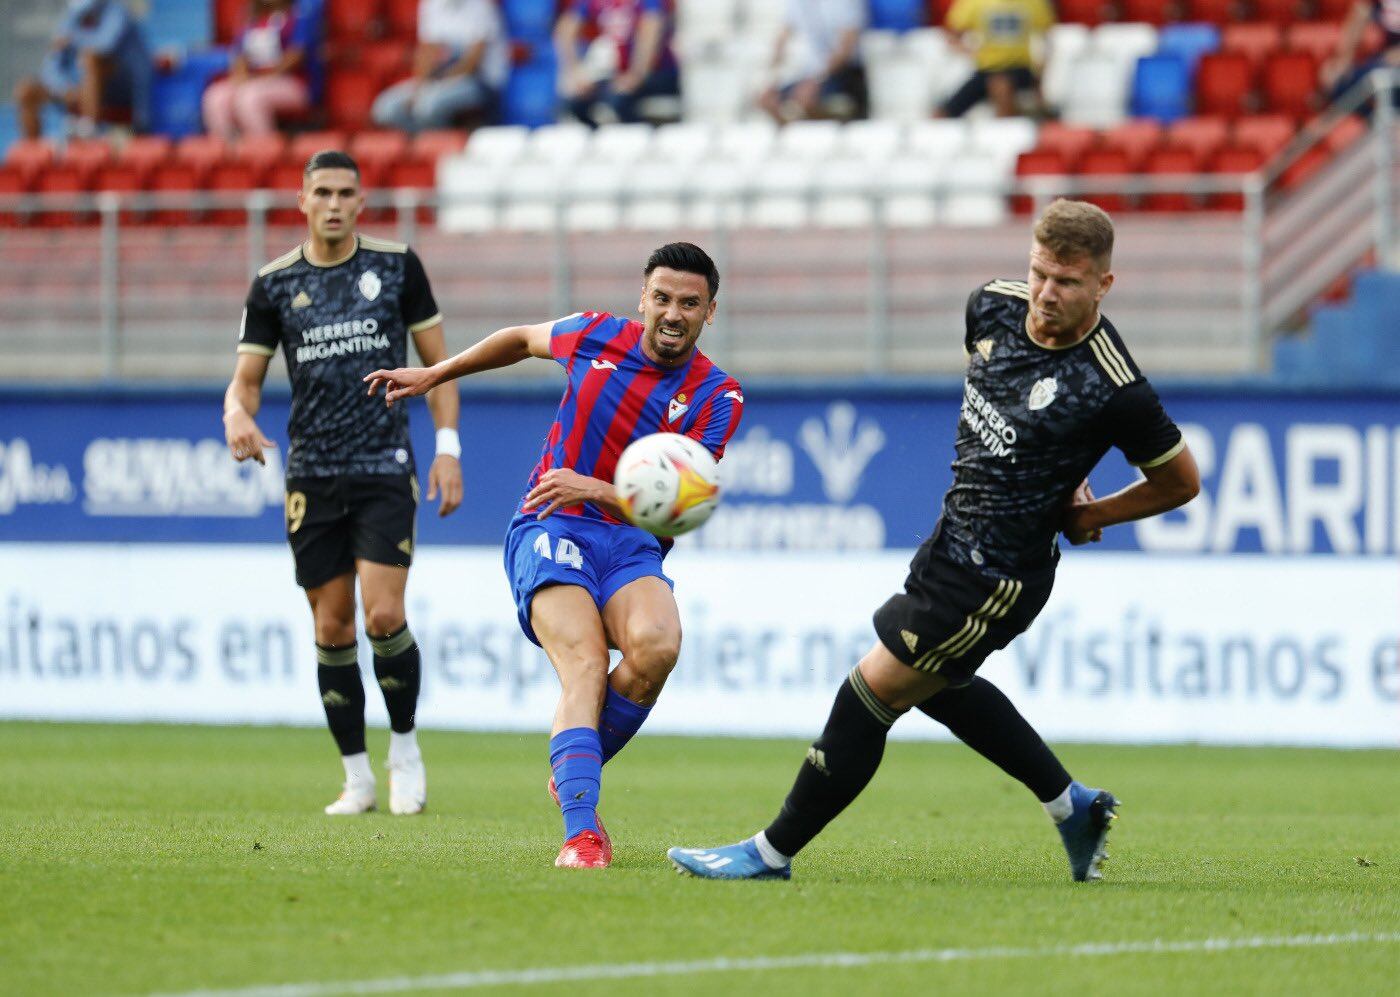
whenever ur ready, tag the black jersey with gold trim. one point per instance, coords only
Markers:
(334, 325)
(1034, 421)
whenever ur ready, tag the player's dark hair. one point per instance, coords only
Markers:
(687, 258)
(331, 159)
(1070, 229)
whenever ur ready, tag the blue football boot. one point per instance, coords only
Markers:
(1085, 830)
(740, 861)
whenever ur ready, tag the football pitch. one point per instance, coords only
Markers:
(159, 859)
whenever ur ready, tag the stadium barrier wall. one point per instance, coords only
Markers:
(142, 574)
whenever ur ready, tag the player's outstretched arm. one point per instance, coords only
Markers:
(1163, 488)
(502, 348)
(241, 403)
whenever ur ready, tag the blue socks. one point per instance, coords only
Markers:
(621, 718)
(576, 756)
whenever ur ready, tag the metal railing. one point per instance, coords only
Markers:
(145, 294)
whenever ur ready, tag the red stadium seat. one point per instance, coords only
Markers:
(260, 152)
(1283, 12)
(1318, 40)
(401, 17)
(29, 156)
(1203, 136)
(302, 147)
(1290, 84)
(387, 62)
(1267, 133)
(176, 176)
(354, 19)
(1171, 159)
(1133, 138)
(349, 94)
(1255, 40)
(433, 145)
(284, 179)
(1215, 11)
(13, 180)
(1344, 133)
(1070, 141)
(1075, 12)
(1156, 12)
(230, 176)
(145, 152)
(87, 155)
(1304, 167)
(201, 151)
(1333, 10)
(1106, 163)
(229, 18)
(1231, 160)
(1225, 84)
(377, 150)
(61, 178)
(1038, 163)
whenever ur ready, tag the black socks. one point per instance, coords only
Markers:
(398, 669)
(343, 696)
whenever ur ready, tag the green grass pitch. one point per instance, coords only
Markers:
(138, 859)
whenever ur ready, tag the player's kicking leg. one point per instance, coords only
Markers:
(981, 716)
(565, 619)
(838, 767)
(398, 670)
(342, 692)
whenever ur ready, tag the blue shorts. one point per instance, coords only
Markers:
(571, 550)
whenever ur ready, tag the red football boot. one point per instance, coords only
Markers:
(602, 831)
(585, 850)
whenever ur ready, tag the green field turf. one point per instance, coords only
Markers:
(167, 859)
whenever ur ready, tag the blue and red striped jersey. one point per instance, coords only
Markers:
(616, 395)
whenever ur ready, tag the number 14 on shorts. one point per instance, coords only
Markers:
(565, 551)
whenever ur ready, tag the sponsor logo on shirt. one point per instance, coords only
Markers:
(604, 365)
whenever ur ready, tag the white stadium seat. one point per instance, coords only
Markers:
(499, 144)
(531, 191)
(938, 138)
(621, 143)
(1067, 42)
(1097, 94)
(559, 145)
(872, 141)
(808, 139)
(1003, 138)
(684, 141)
(747, 141)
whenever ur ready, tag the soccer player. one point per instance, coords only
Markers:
(1050, 387)
(583, 578)
(340, 302)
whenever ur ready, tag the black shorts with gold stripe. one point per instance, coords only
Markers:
(949, 618)
(332, 522)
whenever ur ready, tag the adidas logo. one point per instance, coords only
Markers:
(911, 640)
(390, 684)
(333, 698)
(302, 300)
(984, 347)
(816, 757)
(406, 546)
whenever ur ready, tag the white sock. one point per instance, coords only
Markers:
(403, 747)
(772, 858)
(1060, 807)
(357, 768)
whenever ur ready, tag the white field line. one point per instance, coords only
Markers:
(828, 960)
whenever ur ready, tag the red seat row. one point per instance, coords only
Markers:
(1223, 12)
(354, 19)
(1192, 146)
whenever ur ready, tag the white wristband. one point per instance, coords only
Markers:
(449, 444)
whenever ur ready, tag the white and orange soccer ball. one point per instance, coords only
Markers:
(667, 483)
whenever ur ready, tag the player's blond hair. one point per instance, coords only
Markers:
(1072, 229)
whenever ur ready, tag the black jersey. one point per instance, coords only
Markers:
(335, 324)
(1034, 421)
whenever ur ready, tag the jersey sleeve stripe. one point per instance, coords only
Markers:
(382, 245)
(1112, 350)
(256, 349)
(1115, 373)
(1010, 289)
(281, 263)
(427, 323)
(1159, 461)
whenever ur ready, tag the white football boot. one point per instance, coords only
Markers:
(357, 797)
(408, 785)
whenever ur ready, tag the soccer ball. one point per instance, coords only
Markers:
(668, 484)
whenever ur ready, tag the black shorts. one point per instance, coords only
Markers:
(949, 618)
(333, 521)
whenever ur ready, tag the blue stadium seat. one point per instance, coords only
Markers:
(176, 95)
(1349, 345)
(179, 24)
(1161, 88)
(1189, 42)
(898, 15)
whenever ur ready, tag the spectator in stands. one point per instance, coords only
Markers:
(98, 65)
(1342, 72)
(458, 69)
(816, 62)
(614, 54)
(268, 74)
(1000, 35)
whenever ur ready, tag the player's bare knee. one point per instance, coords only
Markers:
(381, 621)
(652, 650)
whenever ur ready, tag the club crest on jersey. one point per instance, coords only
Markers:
(370, 285)
(676, 408)
(1042, 393)
(984, 347)
(302, 300)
